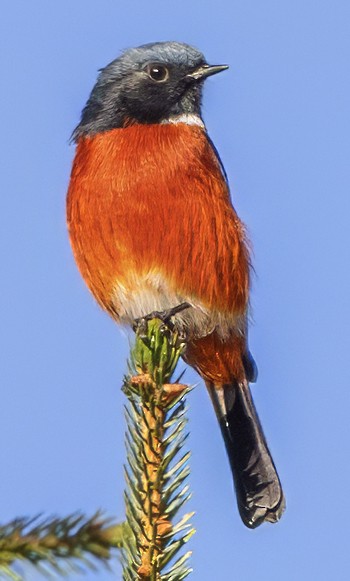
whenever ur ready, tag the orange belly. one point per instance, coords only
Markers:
(151, 225)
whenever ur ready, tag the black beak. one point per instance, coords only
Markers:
(206, 71)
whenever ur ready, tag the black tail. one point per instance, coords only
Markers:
(258, 488)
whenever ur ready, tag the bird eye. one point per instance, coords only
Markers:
(158, 73)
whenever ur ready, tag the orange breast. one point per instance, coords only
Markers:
(152, 198)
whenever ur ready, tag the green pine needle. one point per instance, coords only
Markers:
(156, 470)
(60, 546)
(156, 490)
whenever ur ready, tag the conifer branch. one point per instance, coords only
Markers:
(63, 546)
(156, 466)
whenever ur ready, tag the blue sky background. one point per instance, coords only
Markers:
(280, 119)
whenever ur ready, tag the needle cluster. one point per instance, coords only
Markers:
(157, 467)
(57, 545)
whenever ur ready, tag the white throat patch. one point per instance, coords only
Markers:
(188, 118)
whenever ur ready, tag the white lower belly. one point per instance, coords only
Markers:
(144, 295)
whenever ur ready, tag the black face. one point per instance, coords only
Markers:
(159, 90)
(146, 85)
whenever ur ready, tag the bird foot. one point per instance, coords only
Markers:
(140, 324)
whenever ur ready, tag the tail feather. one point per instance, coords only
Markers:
(258, 488)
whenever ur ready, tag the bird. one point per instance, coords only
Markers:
(152, 228)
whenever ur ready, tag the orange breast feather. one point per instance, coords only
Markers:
(152, 199)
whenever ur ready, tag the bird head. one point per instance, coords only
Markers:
(149, 84)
